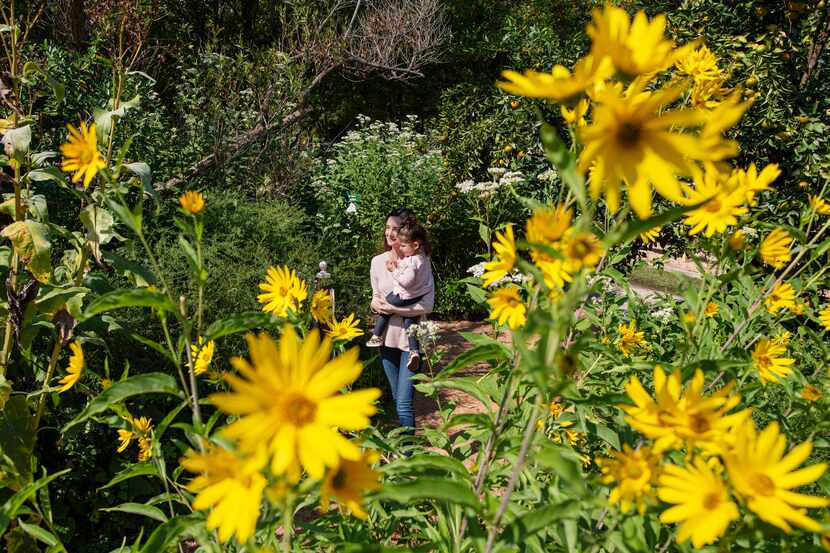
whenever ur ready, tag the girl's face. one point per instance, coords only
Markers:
(408, 248)
(391, 232)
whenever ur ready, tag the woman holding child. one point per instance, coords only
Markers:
(402, 292)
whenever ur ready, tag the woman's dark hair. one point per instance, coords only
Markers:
(413, 231)
(401, 213)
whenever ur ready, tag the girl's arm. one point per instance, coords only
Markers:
(405, 274)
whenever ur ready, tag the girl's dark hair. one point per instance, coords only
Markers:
(401, 213)
(413, 231)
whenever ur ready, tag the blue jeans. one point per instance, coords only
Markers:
(400, 381)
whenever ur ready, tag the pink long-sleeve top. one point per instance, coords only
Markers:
(413, 277)
(382, 284)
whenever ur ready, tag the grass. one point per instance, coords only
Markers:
(657, 279)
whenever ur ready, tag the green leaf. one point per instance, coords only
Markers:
(139, 509)
(143, 172)
(132, 220)
(239, 323)
(150, 383)
(56, 298)
(609, 436)
(467, 385)
(543, 517)
(12, 505)
(139, 274)
(486, 353)
(477, 293)
(17, 438)
(58, 89)
(136, 297)
(426, 463)
(31, 242)
(138, 469)
(104, 118)
(99, 224)
(170, 531)
(19, 139)
(46, 174)
(40, 534)
(5, 393)
(436, 489)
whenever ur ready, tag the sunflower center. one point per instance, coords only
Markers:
(580, 249)
(713, 205)
(711, 501)
(629, 134)
(634, 471)
(763, 361)
(699, 424)
(283, 291)
(762, 484)
(299, 410)
(339, 480)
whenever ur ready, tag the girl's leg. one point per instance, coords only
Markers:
(390, 358)
(405, 393)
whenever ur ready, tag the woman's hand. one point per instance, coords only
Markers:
(381, 306)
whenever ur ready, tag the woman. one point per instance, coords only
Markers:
(394, 353)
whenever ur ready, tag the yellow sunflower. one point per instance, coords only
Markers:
(192, 202)
(819, 205)
(737, 241)
(764, 476)
(283, 291)
(80, 154)
(575, 116)
(202, 355)
(635, 47)
(504, 259)
(547, 226)
(674, 417)
(824, 317)
(506, 307)
(650, 236)
(321, 306)
(720, 207)
(230, 486)
(560, 85)
(775, 249)
(701, 502)
(630, 338)
(711, 309)
(782, 296)
(701, 66)
(581, 249)
(749, 182)
(75, 369)
(344, 330)
(634, 140)
(811, 393)
(287, 400)
(768, 358)
(634, 472)
(349, 482)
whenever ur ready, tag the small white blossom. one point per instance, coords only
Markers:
(549, 175)
(477, 270)
(497, 171)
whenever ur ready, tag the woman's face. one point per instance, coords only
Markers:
(391, 232)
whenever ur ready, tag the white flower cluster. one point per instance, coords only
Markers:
(550, 175)
(477, 271)
(501, 177)
(424, 332)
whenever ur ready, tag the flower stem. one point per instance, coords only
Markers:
(53, 361)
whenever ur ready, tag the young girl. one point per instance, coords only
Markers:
(412, 275)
